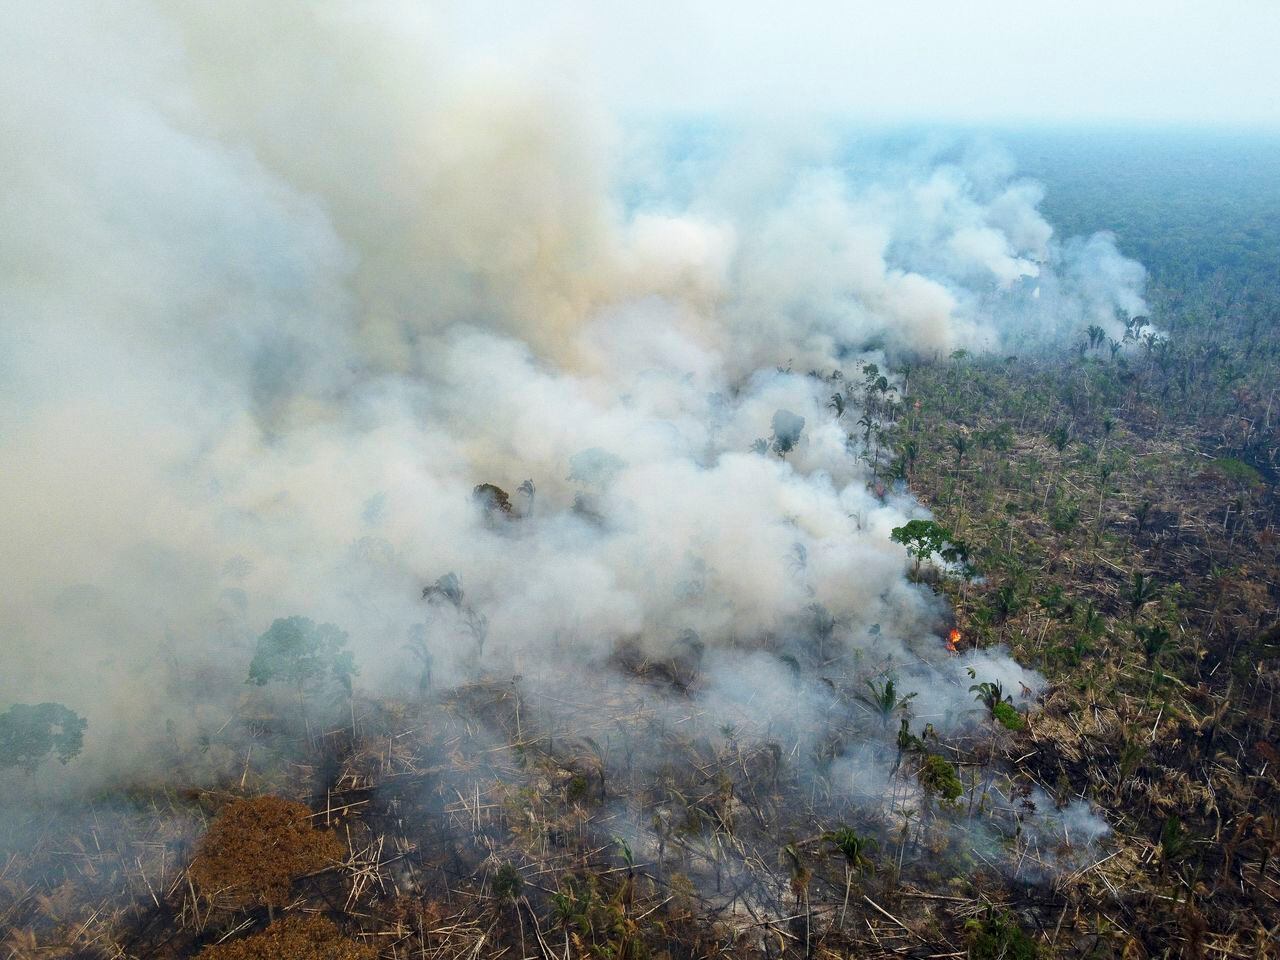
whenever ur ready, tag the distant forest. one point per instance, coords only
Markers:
(1192, 207)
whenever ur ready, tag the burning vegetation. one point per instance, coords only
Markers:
(318, 685)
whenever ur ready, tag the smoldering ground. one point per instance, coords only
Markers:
(283, 284)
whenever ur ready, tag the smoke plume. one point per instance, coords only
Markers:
(283, 283)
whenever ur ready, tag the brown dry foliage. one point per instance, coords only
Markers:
(255, 848)
(293, 938)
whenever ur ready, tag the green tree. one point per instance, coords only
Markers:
(853, 848)
(938, 778)
(884, 700)
(998, 937)
(787, 428)
(924, 538)
(31, 732)
(507, 882)
(1141, 513)
(298, 651)
(1000, 705)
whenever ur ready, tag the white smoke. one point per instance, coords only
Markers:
(281, 284)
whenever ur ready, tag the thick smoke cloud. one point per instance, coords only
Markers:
(281, 284)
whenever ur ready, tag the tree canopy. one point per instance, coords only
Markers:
(299, 651)
(925, 538)
(31, 732)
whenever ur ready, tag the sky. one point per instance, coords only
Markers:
(1097, 61)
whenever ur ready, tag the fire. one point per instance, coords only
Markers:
(953, 638)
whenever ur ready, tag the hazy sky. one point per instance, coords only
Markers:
(1192, 61)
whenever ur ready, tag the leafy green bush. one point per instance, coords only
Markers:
(507, 882)
(938, 776)
(1063, 516)
(998, 937)
(1008, 716)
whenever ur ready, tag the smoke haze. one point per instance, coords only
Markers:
(282, 284)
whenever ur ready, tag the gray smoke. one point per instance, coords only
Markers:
(283, 283)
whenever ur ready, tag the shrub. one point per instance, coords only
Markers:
(938, 776)
(256, 848)
(998, 937)
(1008, 716)
(293, 938)
(507, 882)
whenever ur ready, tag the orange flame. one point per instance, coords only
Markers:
(953, 638)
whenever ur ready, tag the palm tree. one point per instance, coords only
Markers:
(1154, 640)
(868, 425)
(477, 625)
(1142, 592)
(506, 885)
(910, 450)
(628, 887)
(999, 705)
(989, 694)
(1104, 474)
(884, 700)
(1091, 621)
(447, 588)
(1108, 424)
(1060, 436)
(1141, 513)
(853, 847)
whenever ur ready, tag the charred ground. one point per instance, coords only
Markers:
(1119, 514)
